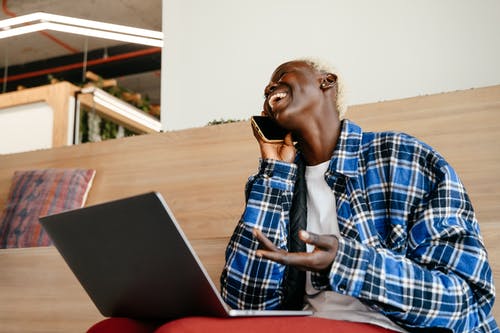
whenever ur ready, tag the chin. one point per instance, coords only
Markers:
(280, 118)
(286, 117)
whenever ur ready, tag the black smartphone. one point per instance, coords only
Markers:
(268, 129)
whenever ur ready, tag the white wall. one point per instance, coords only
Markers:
(219, 54)
(26, 127)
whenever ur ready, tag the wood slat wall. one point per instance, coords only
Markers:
(201, 172)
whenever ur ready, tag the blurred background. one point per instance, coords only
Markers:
(216, 57)
(33, 59)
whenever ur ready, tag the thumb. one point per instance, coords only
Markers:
(320, 241)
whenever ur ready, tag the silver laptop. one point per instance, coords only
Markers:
(133, 260)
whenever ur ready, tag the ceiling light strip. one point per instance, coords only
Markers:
(105, 34)
(23, 30)
(19, 20)
(29, 23)
(101, 25)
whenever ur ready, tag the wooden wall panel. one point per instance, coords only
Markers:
(39, 293)
(201, 172)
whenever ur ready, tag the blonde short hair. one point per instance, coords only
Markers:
(323, 66)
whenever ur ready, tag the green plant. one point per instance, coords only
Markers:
(223, 121)
(93, 128)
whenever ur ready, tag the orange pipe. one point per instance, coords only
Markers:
(6, 10)
(63, 68)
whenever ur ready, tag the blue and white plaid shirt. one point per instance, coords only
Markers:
(410, 245)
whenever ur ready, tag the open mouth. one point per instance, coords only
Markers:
(274, 99)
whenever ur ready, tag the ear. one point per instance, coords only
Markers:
(328, 81)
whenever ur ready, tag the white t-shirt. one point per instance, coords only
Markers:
(322, 219)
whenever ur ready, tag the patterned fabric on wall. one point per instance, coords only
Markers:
(36, 193)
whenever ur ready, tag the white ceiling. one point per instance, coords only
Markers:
(24, 49)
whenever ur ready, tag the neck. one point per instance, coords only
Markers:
(318, 146)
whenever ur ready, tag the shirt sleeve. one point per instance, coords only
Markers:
(247, 281)
(443, 279)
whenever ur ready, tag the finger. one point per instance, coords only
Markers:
(256, 134)
(289, 139)
(264, 241)
(326, 242)
(276, 256)
(301, 260)
(254, 130)
(285, 258)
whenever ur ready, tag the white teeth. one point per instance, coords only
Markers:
(276, 97)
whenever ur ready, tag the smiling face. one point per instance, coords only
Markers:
(293, 93)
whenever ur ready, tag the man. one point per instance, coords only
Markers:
(390, 232)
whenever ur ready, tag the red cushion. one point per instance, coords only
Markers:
(236, 325)
(266, 324)
(122, 325)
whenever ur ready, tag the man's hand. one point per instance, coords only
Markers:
(319, 260)
(283, 151)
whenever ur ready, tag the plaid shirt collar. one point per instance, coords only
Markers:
(345, 156)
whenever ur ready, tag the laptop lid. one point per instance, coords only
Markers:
(133, 260)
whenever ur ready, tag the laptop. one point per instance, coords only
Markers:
(133, 260)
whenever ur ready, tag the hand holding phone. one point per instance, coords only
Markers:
(268, 130)
(275, 142)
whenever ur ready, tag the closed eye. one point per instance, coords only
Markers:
(269, 89)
